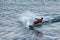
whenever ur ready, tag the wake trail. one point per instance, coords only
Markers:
(54, 20)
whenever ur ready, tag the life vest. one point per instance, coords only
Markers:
(38, 21)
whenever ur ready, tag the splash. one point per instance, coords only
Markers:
(27, 16)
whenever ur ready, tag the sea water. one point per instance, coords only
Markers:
(12, 23)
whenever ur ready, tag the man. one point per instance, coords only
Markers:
(37, 21)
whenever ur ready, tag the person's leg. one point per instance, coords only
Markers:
(33, 23)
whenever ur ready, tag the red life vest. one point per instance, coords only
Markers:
(38, 21)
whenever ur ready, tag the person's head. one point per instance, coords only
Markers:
(41, 17)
